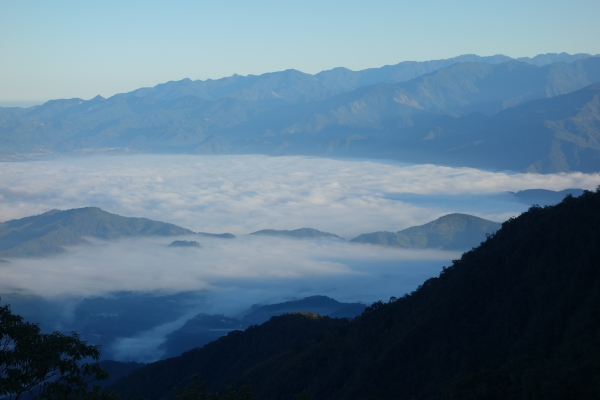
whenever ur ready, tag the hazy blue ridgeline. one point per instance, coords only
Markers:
(401, 116)
(452, 232)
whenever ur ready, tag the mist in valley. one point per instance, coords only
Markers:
(165, 286)
(242, 194)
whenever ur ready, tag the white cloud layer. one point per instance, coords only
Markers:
(241, 194)
(256, 268)
(228, 276)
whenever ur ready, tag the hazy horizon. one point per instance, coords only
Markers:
(26, 103)
(121, 47)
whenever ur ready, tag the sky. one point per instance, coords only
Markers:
(66, 49)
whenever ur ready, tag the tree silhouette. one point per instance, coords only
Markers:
(36, 365)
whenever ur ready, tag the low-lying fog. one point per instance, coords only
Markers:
(241, 194)
(223, 276)
(235, 272)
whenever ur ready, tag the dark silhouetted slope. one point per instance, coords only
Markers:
(116, 370)
(227, 358)
(205, 328)
(515, 318)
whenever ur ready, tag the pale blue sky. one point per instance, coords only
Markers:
(64, 49)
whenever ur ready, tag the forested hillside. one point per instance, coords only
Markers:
(515, 318)
(224, 360)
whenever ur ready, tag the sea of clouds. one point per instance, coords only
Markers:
(242, 194)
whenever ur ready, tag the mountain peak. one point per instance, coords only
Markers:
(454, 231)
(47, 233)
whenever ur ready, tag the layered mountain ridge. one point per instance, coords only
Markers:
(390, 112)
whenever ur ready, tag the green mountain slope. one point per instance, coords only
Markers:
(47, 233)
(452, 231)
(302, 233)
(515, 318)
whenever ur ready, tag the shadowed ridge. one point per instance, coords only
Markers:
(225, 359)
(516, 317)
(513, 318)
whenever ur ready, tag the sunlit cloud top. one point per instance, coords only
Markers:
(242, 194)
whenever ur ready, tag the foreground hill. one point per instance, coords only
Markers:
(515, 318)
(452, 231)
(47, 233)
(205, 328)
(222, 361)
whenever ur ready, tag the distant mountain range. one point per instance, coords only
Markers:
(451, 232)
(185, 243)
(302, 233)
(543, 197)
(557, 134)
(48, 233)
(444, 111)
